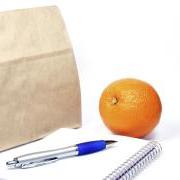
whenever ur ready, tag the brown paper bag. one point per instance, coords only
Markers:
(39, 85)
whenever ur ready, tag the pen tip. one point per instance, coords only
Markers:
(108, 142)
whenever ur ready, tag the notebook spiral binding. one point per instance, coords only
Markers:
(136, 163)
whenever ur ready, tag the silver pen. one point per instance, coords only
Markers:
(45, 157)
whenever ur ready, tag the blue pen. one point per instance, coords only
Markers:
(45, 157)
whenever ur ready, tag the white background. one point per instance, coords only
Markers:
(114, 39)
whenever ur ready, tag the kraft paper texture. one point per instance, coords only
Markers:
(39, 85)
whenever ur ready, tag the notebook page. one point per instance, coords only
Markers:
(92, 166)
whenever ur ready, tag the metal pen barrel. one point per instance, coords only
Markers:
(50, 156)
(43, 157)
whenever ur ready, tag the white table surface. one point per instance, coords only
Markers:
(114, 39)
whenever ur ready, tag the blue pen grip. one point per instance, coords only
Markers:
(91, 147)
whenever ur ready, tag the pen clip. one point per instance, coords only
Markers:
(35, 163)
(30, 163)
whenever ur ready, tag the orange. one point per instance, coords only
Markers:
(130, 107)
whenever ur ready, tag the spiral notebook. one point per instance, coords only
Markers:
(122, 161)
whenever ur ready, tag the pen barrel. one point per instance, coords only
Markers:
(45, 157)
